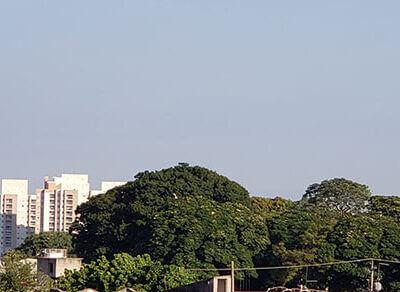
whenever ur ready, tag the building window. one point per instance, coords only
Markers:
(9, 201)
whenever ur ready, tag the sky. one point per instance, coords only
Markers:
(275, 95)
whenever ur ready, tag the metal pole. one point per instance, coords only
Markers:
(379, 271)
(371, 280)
(306, 283)
(232, 276)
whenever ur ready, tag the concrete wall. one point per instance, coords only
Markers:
(55, 267)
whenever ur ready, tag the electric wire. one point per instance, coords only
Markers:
(296, 266)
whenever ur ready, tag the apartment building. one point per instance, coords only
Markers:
(14, 213)
(59, 199)
(51, 208)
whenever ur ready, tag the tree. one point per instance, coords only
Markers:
(34, 244)
(140, 273)
(298, 237)
(18, 275)
(338, 194)
(197, 232)
(364, 236)
(121, 220)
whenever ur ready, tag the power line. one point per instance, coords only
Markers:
(297, 266)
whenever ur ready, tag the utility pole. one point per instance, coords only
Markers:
(232, 276)
(371, 280)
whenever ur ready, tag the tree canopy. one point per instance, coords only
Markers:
(338, 194)
(131, 218)
(140, 273)
(34, 244)
(198, 232)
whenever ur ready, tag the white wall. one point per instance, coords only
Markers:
(79, 182)
(108, 185)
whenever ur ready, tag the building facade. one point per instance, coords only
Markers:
(14, 213)
(59, 199)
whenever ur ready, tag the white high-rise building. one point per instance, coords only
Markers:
(14, 213)
(60, 198)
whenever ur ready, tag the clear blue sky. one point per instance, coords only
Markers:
(273, 94)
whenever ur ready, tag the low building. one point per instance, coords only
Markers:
(216, 284)
(54, 262)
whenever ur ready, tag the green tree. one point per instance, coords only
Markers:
(34, 244)
(140, 273)
(122, 219)
(298, 237)
(198, 232)
(338, 194)
(364, 236)
(18, 275)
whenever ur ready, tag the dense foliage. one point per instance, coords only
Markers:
(385, 205)
(192, 217)
(140, 273)
(34, 244)
(19, 275)
(130, 218)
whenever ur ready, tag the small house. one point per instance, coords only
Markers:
(54, 262)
